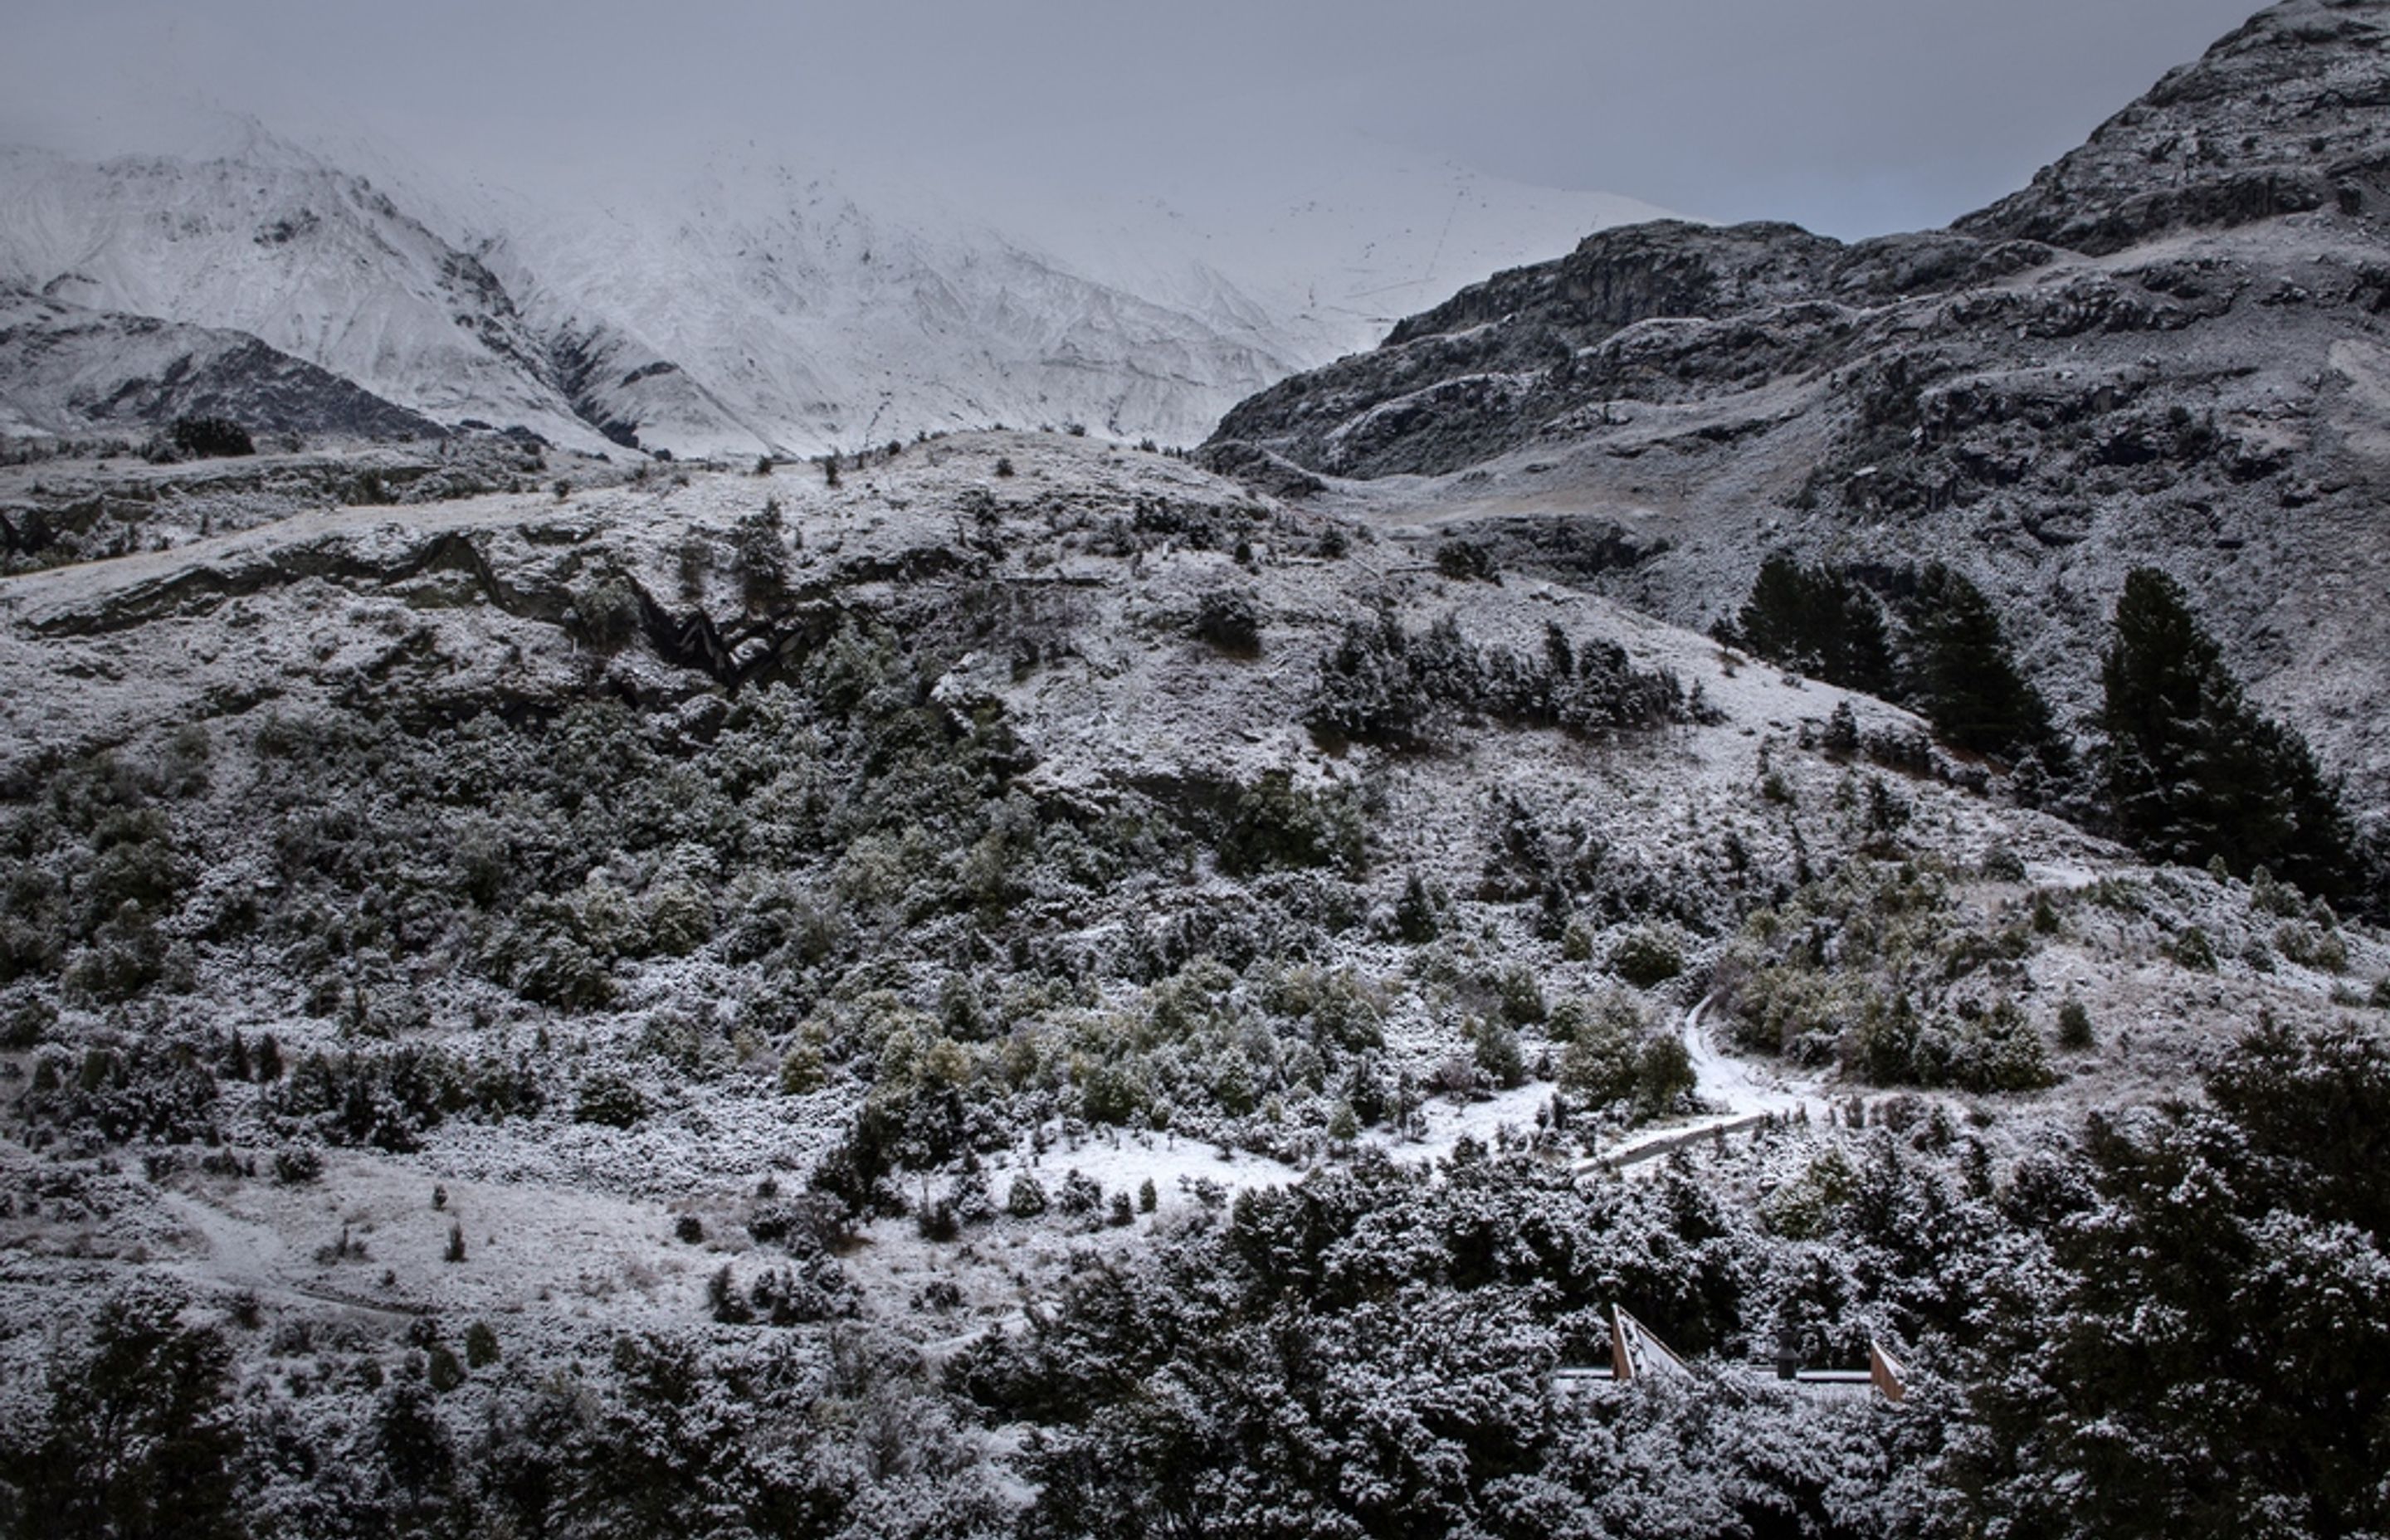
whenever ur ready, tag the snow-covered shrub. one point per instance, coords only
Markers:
(1663, 1075)
(208, 437)
(1079, 1196)
(1422, 911)
(1027, 1198)
(1230, 618)
(297, 1166)
(1597, 1064)
(2074, 1025)
(936, 1220)
(1274, 824)
(2193, 949)
(2312, 946)
(972, 1203)
(1974, 1048)
(802, 1072)
(1495, 1049)
(161, 1091)
(1646, 958)
(605, 611)
(1340, 1012)
(609, 1099)
(1467, 561)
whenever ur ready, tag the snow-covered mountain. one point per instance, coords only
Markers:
(311, 260)
(66, 370)
(766, 302)
(824, 320)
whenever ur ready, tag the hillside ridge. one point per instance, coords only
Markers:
(2195, 381)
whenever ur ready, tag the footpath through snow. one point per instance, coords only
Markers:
(1737, 1094)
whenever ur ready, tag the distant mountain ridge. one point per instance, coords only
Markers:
(67, 371)
(312, 262)
(749, 305)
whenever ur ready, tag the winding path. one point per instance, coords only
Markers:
(243, 1253)
(1739, 1094)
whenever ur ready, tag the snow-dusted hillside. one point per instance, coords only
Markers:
(68, 371)
(490, 969)
(794, 301)
(311, 259)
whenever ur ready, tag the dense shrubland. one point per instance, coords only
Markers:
(837, 929)
(1878, 970)
(1368, 1354)
(144, 1426)
(1385, 685)
(2171, 1322)
(872, 900)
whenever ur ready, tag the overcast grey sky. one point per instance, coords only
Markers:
(1851, 115)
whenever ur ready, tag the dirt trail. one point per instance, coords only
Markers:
(1738, 1092)
(242, 1253)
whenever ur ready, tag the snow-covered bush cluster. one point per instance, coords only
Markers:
(1373, 1351)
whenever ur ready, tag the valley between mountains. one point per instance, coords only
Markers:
(1022, 982)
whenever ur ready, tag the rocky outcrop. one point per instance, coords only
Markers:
(2140, 359)
(2285, 116)
(1666, 312)
(59, 511)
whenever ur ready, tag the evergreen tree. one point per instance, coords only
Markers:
(1963, 675)
(2200, 1368)
(2193, 772)
(1817, 620)
(139, 1438)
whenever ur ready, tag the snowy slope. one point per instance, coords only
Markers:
(70, 371)
(847, 304)
(787, 299)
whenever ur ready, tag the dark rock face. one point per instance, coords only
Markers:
(1664, 311)
(2285, 116)
(1468, 377)
(2171, 349)
(68, 371)
(1618, 278)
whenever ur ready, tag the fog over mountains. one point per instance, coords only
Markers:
(747, 305)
